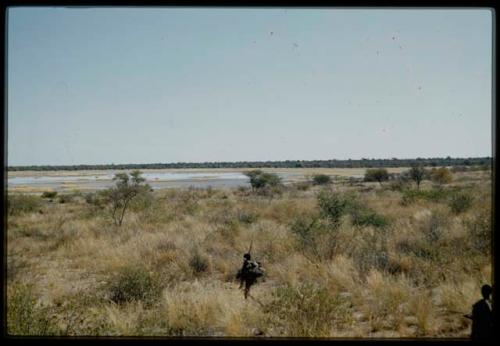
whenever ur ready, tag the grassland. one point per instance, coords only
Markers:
(401, 262)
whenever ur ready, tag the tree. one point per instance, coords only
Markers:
(260, 180)
(417, 174)
(126, 188)
(376, 174)
(441, 176)
(321, 179)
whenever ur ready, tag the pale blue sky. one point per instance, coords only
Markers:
(145, 85)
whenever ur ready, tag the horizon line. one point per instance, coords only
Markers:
(246, 161)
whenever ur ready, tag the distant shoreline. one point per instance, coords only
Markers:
(244, 165)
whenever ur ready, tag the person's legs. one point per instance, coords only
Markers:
(248, 283)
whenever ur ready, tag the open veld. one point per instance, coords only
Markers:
(348, 259)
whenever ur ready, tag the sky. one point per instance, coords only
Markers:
(161, 85)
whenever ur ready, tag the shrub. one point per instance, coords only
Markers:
(25, 315)
(307, 310)
(321, 179)
(247, 217)
(303, 186)
(132, 283)
(66, 198)
(434, 195)
(92, 199)
(479, 232)
(398, 184)
(369, 252)
(260, 179)
(332, 206)
(49, 194)
(441, 176)
(432, 230)
(18, 204)
(198, 263)
(376, 174)
(364, 216)
(306, 228)
(460, 202)
(142, 201)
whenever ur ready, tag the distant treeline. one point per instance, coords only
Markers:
(368, 163)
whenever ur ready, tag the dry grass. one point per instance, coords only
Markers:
(412, 277)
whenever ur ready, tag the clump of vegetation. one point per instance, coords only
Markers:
(66, 198)
(20, 203)
(460, 202)
(198, 263)
(247, 217)
(364, 216)
(302, 186)
(434, 195)
(370, 252)
(307, 310)
(432, 230)
(306, 228)
(26, 316)
(376, 174)
(332, 206)
(398, 184)
(132, 283)
(261, 180)
(441, 176)
(96, 199)
(479, 232)
(321, 179)
(49, 194)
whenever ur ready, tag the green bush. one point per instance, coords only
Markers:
(321, 179)
(307, 311)
(132, 283)
(460, 202)
(19, 203)
(434, 195)
(376, 174)
(142, 201)
(25, 315)
(49, 194)
(260, 179)
(364, 216)
(332, 206)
